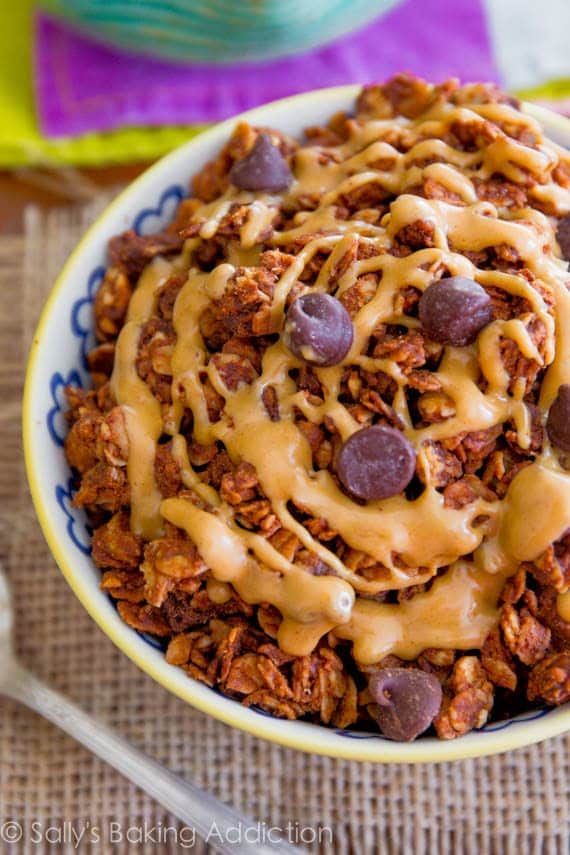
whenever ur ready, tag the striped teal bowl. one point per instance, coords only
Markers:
(218, 31)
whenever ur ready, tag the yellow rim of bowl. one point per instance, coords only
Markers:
(231, 712)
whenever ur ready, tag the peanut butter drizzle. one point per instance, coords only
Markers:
(325, 602)
(563, 605)
(464, 599)
(143, 415)
(461, 606)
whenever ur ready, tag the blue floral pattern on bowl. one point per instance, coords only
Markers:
(146, 221)
(56, 424)
(77, 527)
(82, 315)
(150, 220)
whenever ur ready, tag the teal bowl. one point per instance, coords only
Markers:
(218, 31)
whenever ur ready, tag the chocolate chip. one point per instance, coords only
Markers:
(262, 169)
(563, 237)
(318, 329)
(376, 462)
(558, 421)
(454, 310)
(407, 701)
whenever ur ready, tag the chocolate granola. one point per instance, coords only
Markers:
(325, 455)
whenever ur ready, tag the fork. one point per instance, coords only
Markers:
(196, 808)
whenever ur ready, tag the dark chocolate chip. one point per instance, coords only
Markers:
(563, 237)
(454, 311)
(406, 701)
(263, 169)
(376, 462)
(318, 329)
(558, 421)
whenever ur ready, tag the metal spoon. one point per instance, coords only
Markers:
(193, 806)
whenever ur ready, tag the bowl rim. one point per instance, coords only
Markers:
(309, 738)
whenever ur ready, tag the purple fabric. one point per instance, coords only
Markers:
(83, 86)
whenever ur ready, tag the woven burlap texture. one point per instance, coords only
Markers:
(514, 803)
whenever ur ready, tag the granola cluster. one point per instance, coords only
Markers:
(421, 184)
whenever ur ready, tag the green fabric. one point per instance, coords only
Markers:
(21, 142)
(554, 90)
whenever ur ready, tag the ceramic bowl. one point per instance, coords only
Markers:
(221, 32)
(58, 357)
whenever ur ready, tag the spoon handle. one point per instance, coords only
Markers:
(199, 810)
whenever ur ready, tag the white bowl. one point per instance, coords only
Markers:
(57, 357)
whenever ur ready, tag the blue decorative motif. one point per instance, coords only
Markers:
(82, 315)
(495, 726)
(524, 717)
(151, 220)
(76, 526)
(81, 321)
(152, 640)
(56, 423)
(147, 220)
(356, 734)
(255, 709)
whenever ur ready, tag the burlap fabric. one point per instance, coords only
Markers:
(515, 803)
